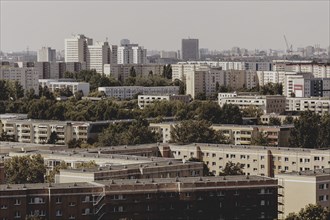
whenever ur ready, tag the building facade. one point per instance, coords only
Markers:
(98, 54)
(190, 49)
(46, 54)
(76, 48)
(55, 85)
(146, 100)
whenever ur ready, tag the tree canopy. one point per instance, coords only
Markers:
(25, 169)
(232, 169)
(310, 212)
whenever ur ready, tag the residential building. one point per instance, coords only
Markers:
(236, 134)
(204, 79)
(265, 118)
(128, 92)
(131, 54)
(190, 49)
(27, 77)
(265, 77)
(164, 198)
(294, 85)
(313, 183)
(267, 104)
(317, 105)
(169, 54)
(98, 54)
(317, 87)
(47, 54)
(122, 71)
(76, 48)
(145, 100)
(264, 161)
(54, 85)
(39, 131)
(114, 54)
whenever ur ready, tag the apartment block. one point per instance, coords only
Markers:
(294, 85)
(122, 71)
(46, 54)
(128, 92)
(76, 48)
(54, 85)
(131, 54)
(97, 56)
(27, 77)
(316, 105)
(317, 87)
(39, 131)
(145, 100)
(232, 197)
(267, 104)
(265, 77)
(313, 183)
(264, 161)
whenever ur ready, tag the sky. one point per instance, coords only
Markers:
(161, 25)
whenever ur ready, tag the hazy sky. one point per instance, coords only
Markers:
(162, 24)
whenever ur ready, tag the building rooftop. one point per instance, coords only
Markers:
(317, 172)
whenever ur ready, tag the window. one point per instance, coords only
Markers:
(86, 211)
(17, 202)
(17, 214)
(286, 159)
(316, 158)
(262, 157)
(58, 213)
(324, 186)
(262, 166)
(188, 194)
(262, 202)
(323, 198)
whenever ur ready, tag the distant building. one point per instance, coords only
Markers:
(145, 100)
(131, 54)
(267, 104)
(46, 54)
(315, 185)
(314, 104)
(76, 48)
(127, 92)
(74, 87)
(190, 49)
(98, 54)
(169, 54)
(27, 77)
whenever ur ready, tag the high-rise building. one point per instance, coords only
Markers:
(46, 54)
(98, 54)
(114, 54)
(190, 49)
(131, 53)
(76, 48)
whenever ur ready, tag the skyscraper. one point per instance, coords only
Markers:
(131, 54)
(46, 54)
(190, 49)
(76, 48)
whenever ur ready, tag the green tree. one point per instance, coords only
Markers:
(306, 131)
(132, 72)
(88, 165)
(206, 169)
(182, 86)
(252, 111)
(261, 139)
(232, 169)
(288, 120)
(25, 169)
(52, 138)
(310, 212)
(324, 134)
(231, 114)
(274, 121)
(200, 96)
(74, 143)
(195, 131)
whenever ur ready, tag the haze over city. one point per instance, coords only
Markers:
(161, 25)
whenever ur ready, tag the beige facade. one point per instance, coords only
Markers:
(267, 104)
(316, 105)
(145, 100)
(265, 161)
(298, 189)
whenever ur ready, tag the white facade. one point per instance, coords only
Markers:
(46, 54)
(145, 100)
(127, 92)
(76, 48)
(98, 54)
(294, 85)
(74, 87)
(131, 54)
(26, 76)
(317, 105)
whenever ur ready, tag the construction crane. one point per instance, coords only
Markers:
(288, 48)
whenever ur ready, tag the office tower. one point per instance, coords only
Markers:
(190, 49)
(46, 54)
(98, 54)
(114, 54)
(131, 54)
(76, 48)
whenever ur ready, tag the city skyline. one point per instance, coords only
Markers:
(161, 26)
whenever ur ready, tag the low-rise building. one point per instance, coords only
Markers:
(313, 183)
(128, 92)
(145, 100)
(267, 104)
(54, 85)
(251, 197)
(315, 104)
